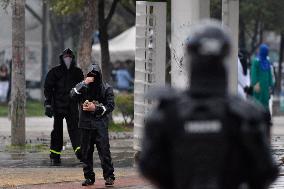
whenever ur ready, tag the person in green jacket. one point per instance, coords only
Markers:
(261, 77)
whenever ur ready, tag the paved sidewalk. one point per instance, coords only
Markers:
(134, 182)
(20, 173)
(33, 178)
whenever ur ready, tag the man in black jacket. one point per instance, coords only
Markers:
(96, 101)
(203, 138)
(59, 81)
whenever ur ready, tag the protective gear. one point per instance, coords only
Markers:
(67, 61)
(59, 81)
(212, 140)
(48, 111)
(94, 125)
(207, 47)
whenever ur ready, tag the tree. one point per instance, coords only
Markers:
(66, 7)
(65, 16)
(87, 29)
(103, 30)
(18, 96)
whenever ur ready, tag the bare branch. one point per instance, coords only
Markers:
(111, 12)
(33, 13)
(128, 9)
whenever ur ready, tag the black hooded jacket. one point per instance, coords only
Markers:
(58, 83)
(96, 91)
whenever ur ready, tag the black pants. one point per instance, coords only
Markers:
(57, 134)
(89, 138)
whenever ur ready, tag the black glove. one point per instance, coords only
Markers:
(48, 111)
(100, 110)
(248, 90)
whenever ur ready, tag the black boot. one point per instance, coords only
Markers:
(109, 181)
(79, 155)
(55, 162)
(88, 182)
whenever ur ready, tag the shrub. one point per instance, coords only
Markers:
(125, 105)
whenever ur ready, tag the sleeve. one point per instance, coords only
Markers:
(81, 76)
(77, 91)
(49, 86)
(108, 107)
(254, 72)
(128, 77)
(263, 169)
(154, 161)
(271, 77)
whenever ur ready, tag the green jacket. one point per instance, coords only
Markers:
(265, 80)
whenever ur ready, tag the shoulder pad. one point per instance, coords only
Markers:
(246, 109)
(163, 93)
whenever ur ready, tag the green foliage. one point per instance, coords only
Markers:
(256, 16)
(119, 127)
(125, 105)
(4, 4)
(65, 7)
(34, 109)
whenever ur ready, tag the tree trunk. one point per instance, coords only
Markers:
(44, 47)
(18, 96)
(105, 57)
(57, 40)
(84, 58)
(279, 75)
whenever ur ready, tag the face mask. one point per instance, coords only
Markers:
(67, 61)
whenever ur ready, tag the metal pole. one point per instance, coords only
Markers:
(185, 13)
(230, 18)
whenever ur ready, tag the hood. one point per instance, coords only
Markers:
(95, 70)
(67, 51)
(263, 51)
(263, 57)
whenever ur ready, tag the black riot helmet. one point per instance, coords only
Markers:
(207, 48)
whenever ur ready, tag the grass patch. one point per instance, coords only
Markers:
(3, 110)
(119, 127)
(27, 148)
(34, 109)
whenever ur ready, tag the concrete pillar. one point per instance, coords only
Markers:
(185, 13)
(230, 18)
(150, 59)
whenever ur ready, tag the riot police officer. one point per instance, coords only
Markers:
(204, 138)
(58, 83)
